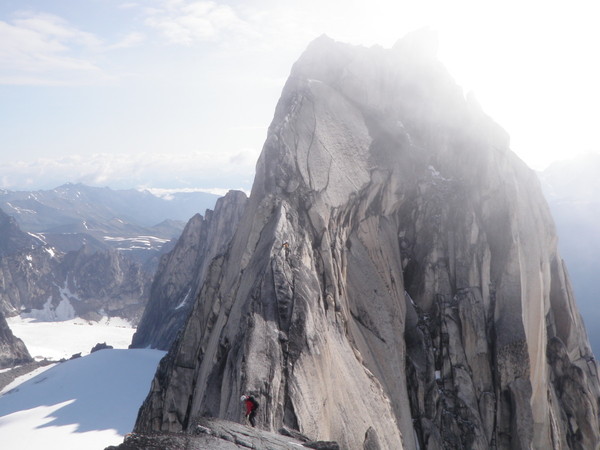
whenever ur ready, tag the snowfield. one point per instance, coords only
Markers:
(85, 403)
(57, 340)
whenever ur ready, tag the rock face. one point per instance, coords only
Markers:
(26, 267)
(13, 239)
(104, 282)
(38, 281)
(181, 272)
(394, 282)
(12, 349)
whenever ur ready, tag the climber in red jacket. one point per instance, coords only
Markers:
(251, 406)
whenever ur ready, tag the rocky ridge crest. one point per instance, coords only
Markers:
(183, 270)
(394, 278)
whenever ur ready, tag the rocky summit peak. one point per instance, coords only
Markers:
(394, 278)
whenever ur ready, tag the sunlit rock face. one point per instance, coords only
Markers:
(182, 271)
(12, 349)
(394, 281)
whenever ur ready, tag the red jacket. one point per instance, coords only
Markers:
(250, 406)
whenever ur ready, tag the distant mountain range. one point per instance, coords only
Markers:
(83, 251)
(132, 221)
(40, 281)
(572, 189)
(77, 203)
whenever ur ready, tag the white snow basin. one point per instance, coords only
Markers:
(56, 340)
(86, 403)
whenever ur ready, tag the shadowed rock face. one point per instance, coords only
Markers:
(13, 239)
(394, 281)
(12, 349)
(105, 281)
(182, 271)
(38, 280)
(26, 268)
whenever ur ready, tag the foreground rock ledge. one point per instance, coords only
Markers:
(221, 435)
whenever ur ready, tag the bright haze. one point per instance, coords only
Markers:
(178, 94)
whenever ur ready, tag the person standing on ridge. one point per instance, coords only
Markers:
(251, 406)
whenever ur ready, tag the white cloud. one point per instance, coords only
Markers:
(53, 27)
(185, 23)
(37, 48)
(168, 193)
(40, 48)
(131, 39)
(196, 170)
(28, 49)
(129, 5)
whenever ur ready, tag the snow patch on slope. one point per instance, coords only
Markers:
(20, 210)
(136, 243)
(185, 299)
(86, 403)
(23, 378)
(57, 340)
(66, 293)
(63, 311)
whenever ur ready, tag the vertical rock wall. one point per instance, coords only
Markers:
(12, 349)
(394, 278)
(181, 273)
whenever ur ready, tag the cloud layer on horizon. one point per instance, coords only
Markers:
(198, 170)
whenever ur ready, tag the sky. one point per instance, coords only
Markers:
(178, 94)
